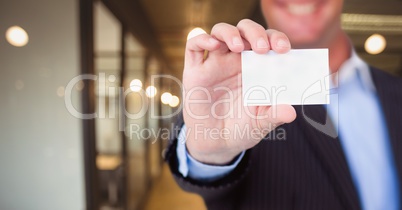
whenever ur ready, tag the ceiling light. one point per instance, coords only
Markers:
(375, 44)
(166, 98)
(136, 85)
(195, 32)
(17, 36)
(151, 91)
(175, 101)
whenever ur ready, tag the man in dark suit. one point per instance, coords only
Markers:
(345, 155)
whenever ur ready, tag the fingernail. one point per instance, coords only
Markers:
(262, 44)
(237, 41)
(282, 43)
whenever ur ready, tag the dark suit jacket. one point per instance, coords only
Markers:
(308, 170)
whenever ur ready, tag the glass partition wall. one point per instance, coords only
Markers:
(107, 67)
(128, 155)
(135, 120)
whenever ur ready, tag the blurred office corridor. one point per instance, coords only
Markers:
(166, 194)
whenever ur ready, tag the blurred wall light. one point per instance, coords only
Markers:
(19, 85)
(151, 91)
(60, 91)
(166, 98)
(136, 85)
(195, 32)
(80, 85)
(175, 101)
(375, 44)
(17, 36)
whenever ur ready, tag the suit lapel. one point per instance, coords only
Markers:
(329, 151)
(388, 89)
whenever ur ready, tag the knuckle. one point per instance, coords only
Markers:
(270, 30)
(259, 27)
(224, 31)
(250, 23)
(250, 27)
(245, 22)
(219, 26)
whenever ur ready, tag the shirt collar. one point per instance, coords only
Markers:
(354, 67)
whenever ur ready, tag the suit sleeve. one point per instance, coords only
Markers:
(214, 193)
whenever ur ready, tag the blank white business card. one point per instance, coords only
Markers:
(299, 77)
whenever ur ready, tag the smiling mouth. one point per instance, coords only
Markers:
(301, 9)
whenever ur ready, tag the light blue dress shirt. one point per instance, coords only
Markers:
(356, 112)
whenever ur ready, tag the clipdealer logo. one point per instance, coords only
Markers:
(148, 105)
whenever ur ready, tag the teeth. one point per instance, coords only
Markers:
(301, 9)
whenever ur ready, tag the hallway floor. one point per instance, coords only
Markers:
(166, 195)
